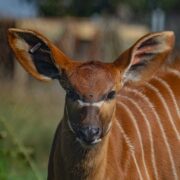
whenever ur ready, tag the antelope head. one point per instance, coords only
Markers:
(91, 87)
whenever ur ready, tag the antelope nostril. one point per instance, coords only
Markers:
(90, 95)
(95, 131)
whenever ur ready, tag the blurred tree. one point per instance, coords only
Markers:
(89, 7)
(144, 5)
(75, 7)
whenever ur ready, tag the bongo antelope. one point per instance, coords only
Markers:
(121, 119)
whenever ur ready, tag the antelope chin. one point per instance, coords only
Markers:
(88, 144)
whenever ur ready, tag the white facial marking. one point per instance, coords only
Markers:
(92, 143)
(69, 124)
(70, 127)
(97, 104)
(96, 141)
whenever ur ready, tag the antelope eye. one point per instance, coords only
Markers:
(111, 95)
(72, 95)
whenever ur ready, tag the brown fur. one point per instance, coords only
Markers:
(112, 158)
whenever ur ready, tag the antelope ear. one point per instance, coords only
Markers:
(37, 54)
(144, 58)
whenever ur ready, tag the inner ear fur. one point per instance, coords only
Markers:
(144, 58)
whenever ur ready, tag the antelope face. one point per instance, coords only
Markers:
(91, 87)
(90, 100)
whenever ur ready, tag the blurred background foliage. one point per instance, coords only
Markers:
(91, 29)
(27, 124)
(90, 7)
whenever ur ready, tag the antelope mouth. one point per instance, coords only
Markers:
(88, 137)
(82, 141)
(88, 143)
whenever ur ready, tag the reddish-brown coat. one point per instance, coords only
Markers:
(113, 158)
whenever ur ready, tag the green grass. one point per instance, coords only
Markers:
(28, 121)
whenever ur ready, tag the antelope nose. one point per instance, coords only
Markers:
(89, 134)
